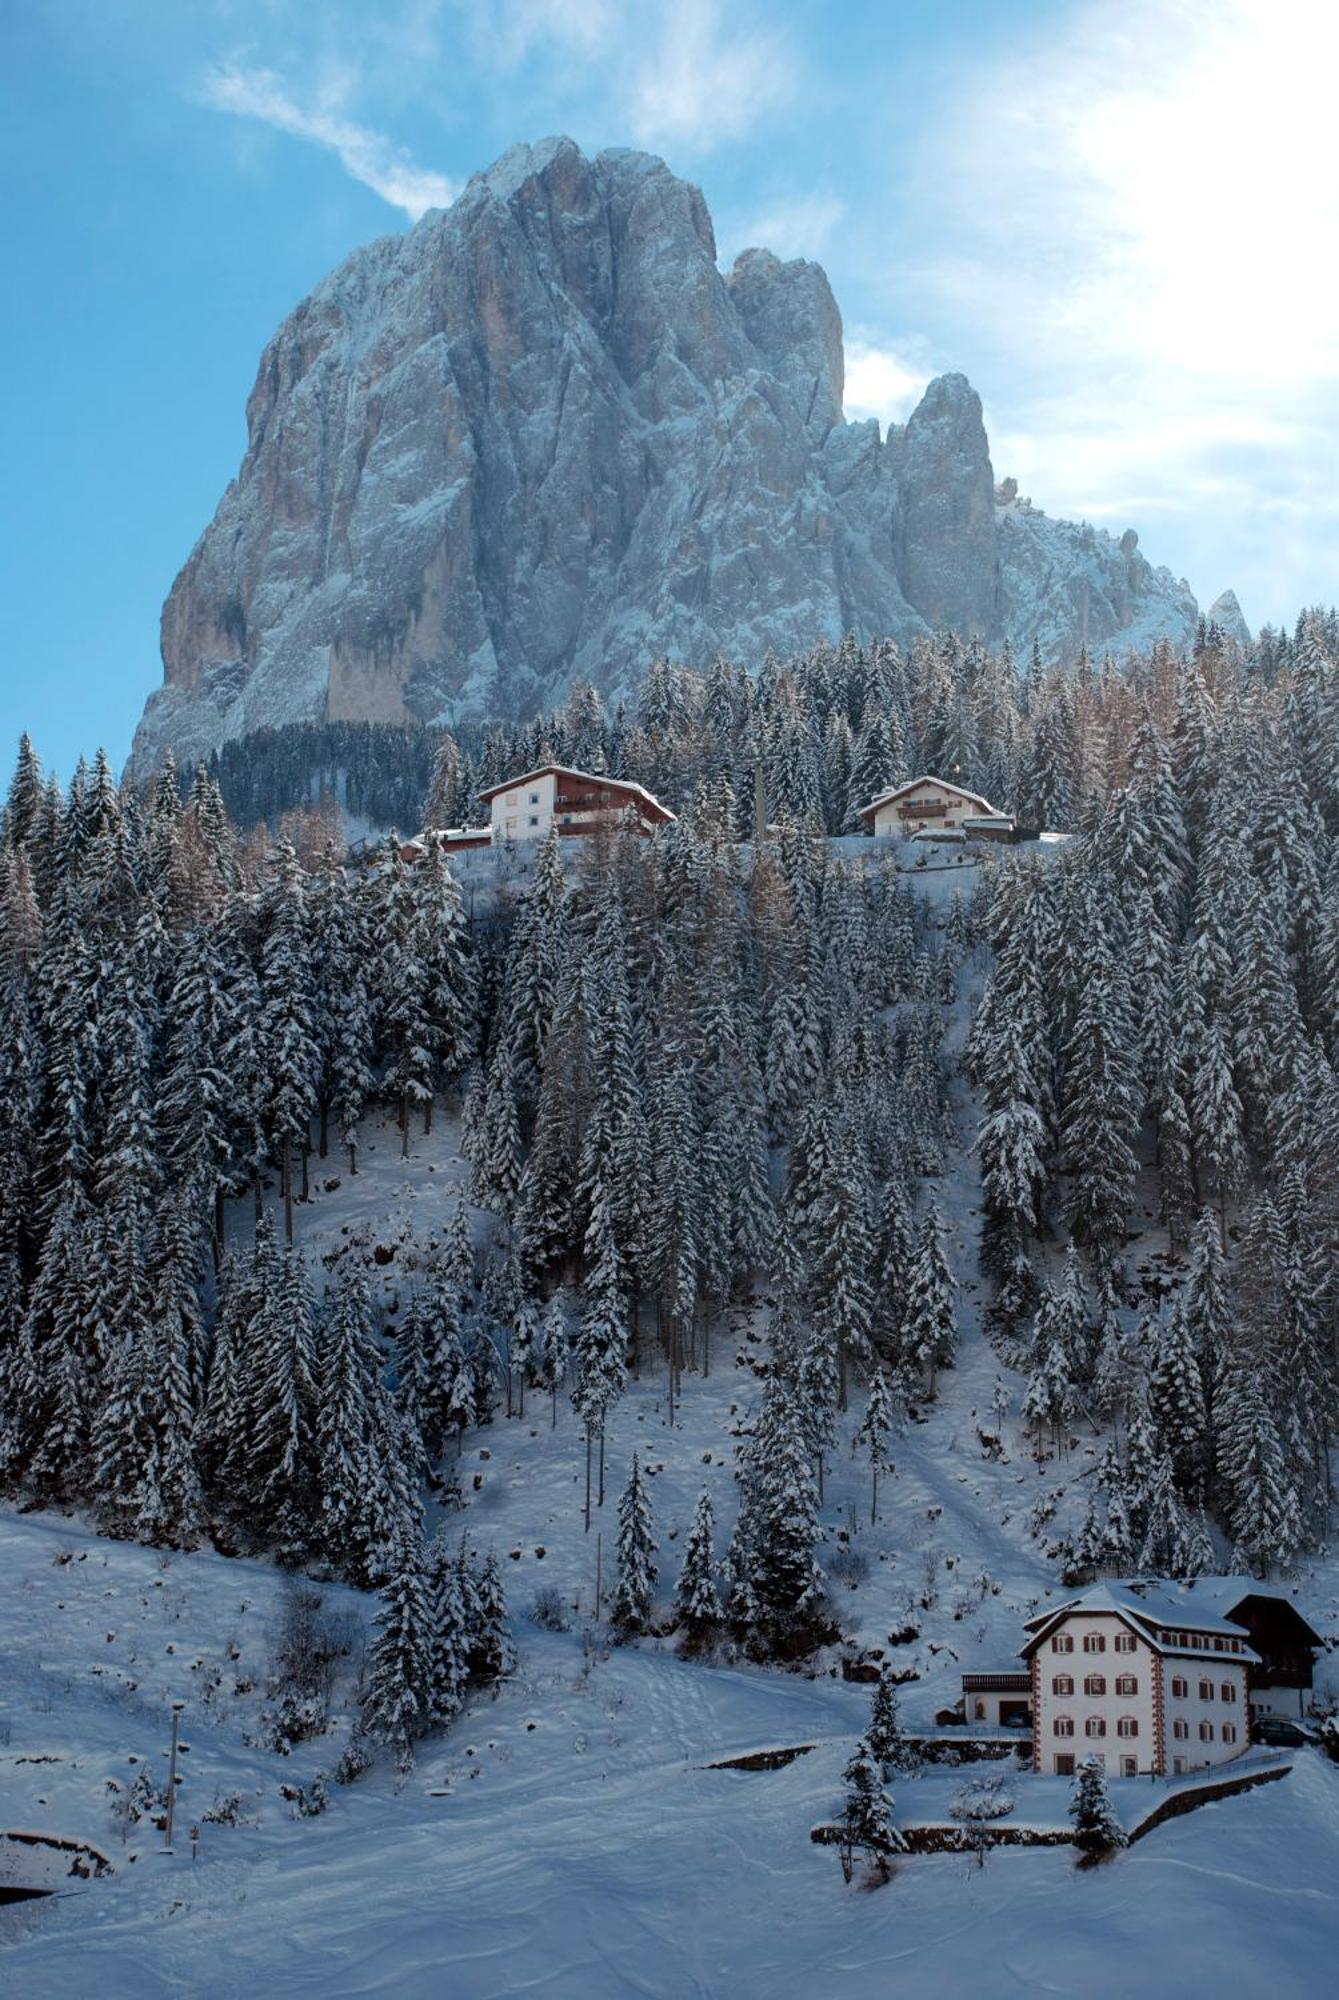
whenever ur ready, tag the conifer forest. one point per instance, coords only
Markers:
(692, 1083)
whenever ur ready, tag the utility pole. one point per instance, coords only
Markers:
(177, 1707)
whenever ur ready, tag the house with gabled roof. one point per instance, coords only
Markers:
(1139, 1676)
(1284, 1641)
(934, 805)
(575, 802)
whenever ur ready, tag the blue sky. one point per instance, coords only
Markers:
(1119, 221)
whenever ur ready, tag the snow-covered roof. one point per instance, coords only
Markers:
(1154, 1605)
(1223, 1594)
(582, 777)
(928, 778)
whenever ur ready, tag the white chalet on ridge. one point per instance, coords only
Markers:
(929, 805)
(576, 802)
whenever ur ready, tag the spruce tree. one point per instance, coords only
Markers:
(929, 1325)
(1097, 1831)
(698, 1601)
(397, 1703)
(884, 1734)
(872, 1432)
(636, 1548)
(866, 1821)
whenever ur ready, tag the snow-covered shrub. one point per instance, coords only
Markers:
(308, 1801)
(312, 1639)
(550, 1610)
(982, 1799)
(225, 1811)
(849, 1566)
(354, 1759)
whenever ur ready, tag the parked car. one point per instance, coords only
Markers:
(1281, 1732)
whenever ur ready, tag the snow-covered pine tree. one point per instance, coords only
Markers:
(289, 1054)
(777, 1583)
(1102, 1104)
(929, 1323)
(1176, 1403)
(555, 1351)
(492, 1655)
(1097, 1831)
(448, 1646)
(884, 1735)
(840, 1268)
(636, 1550)
(866, 1821)
(398, 1700)
(698, 1600)
(275, 1461)
(872, 1433)
(1049, 1396)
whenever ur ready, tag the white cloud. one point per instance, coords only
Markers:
(880, 383)
(794, 228)
(1142, 207)
(702, 81)
(366, 156)
(507, 32)
(683, 75)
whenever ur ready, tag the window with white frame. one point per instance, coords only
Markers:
(1094, 1642)
(1206, 1690)
(1180, 1687)
(1063, 1725)
(1062, 1684)
(1228, 1691)
(1206, 1732)
(1063, 1642)
(1126, 1684)
(1095, 1684)
(1125, 1642)
(1128, 1725)
(1180, 1729)
(1229, 1732)
(1096, 1725)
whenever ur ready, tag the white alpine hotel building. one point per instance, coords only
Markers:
(1140, 1679)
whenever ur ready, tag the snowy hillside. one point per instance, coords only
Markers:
(559, 1367)
(570, 1835)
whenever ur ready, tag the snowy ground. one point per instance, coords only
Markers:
(568, 1838)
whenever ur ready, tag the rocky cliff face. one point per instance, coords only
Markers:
(542, 435)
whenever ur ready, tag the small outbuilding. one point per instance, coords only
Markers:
(997, 1698)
